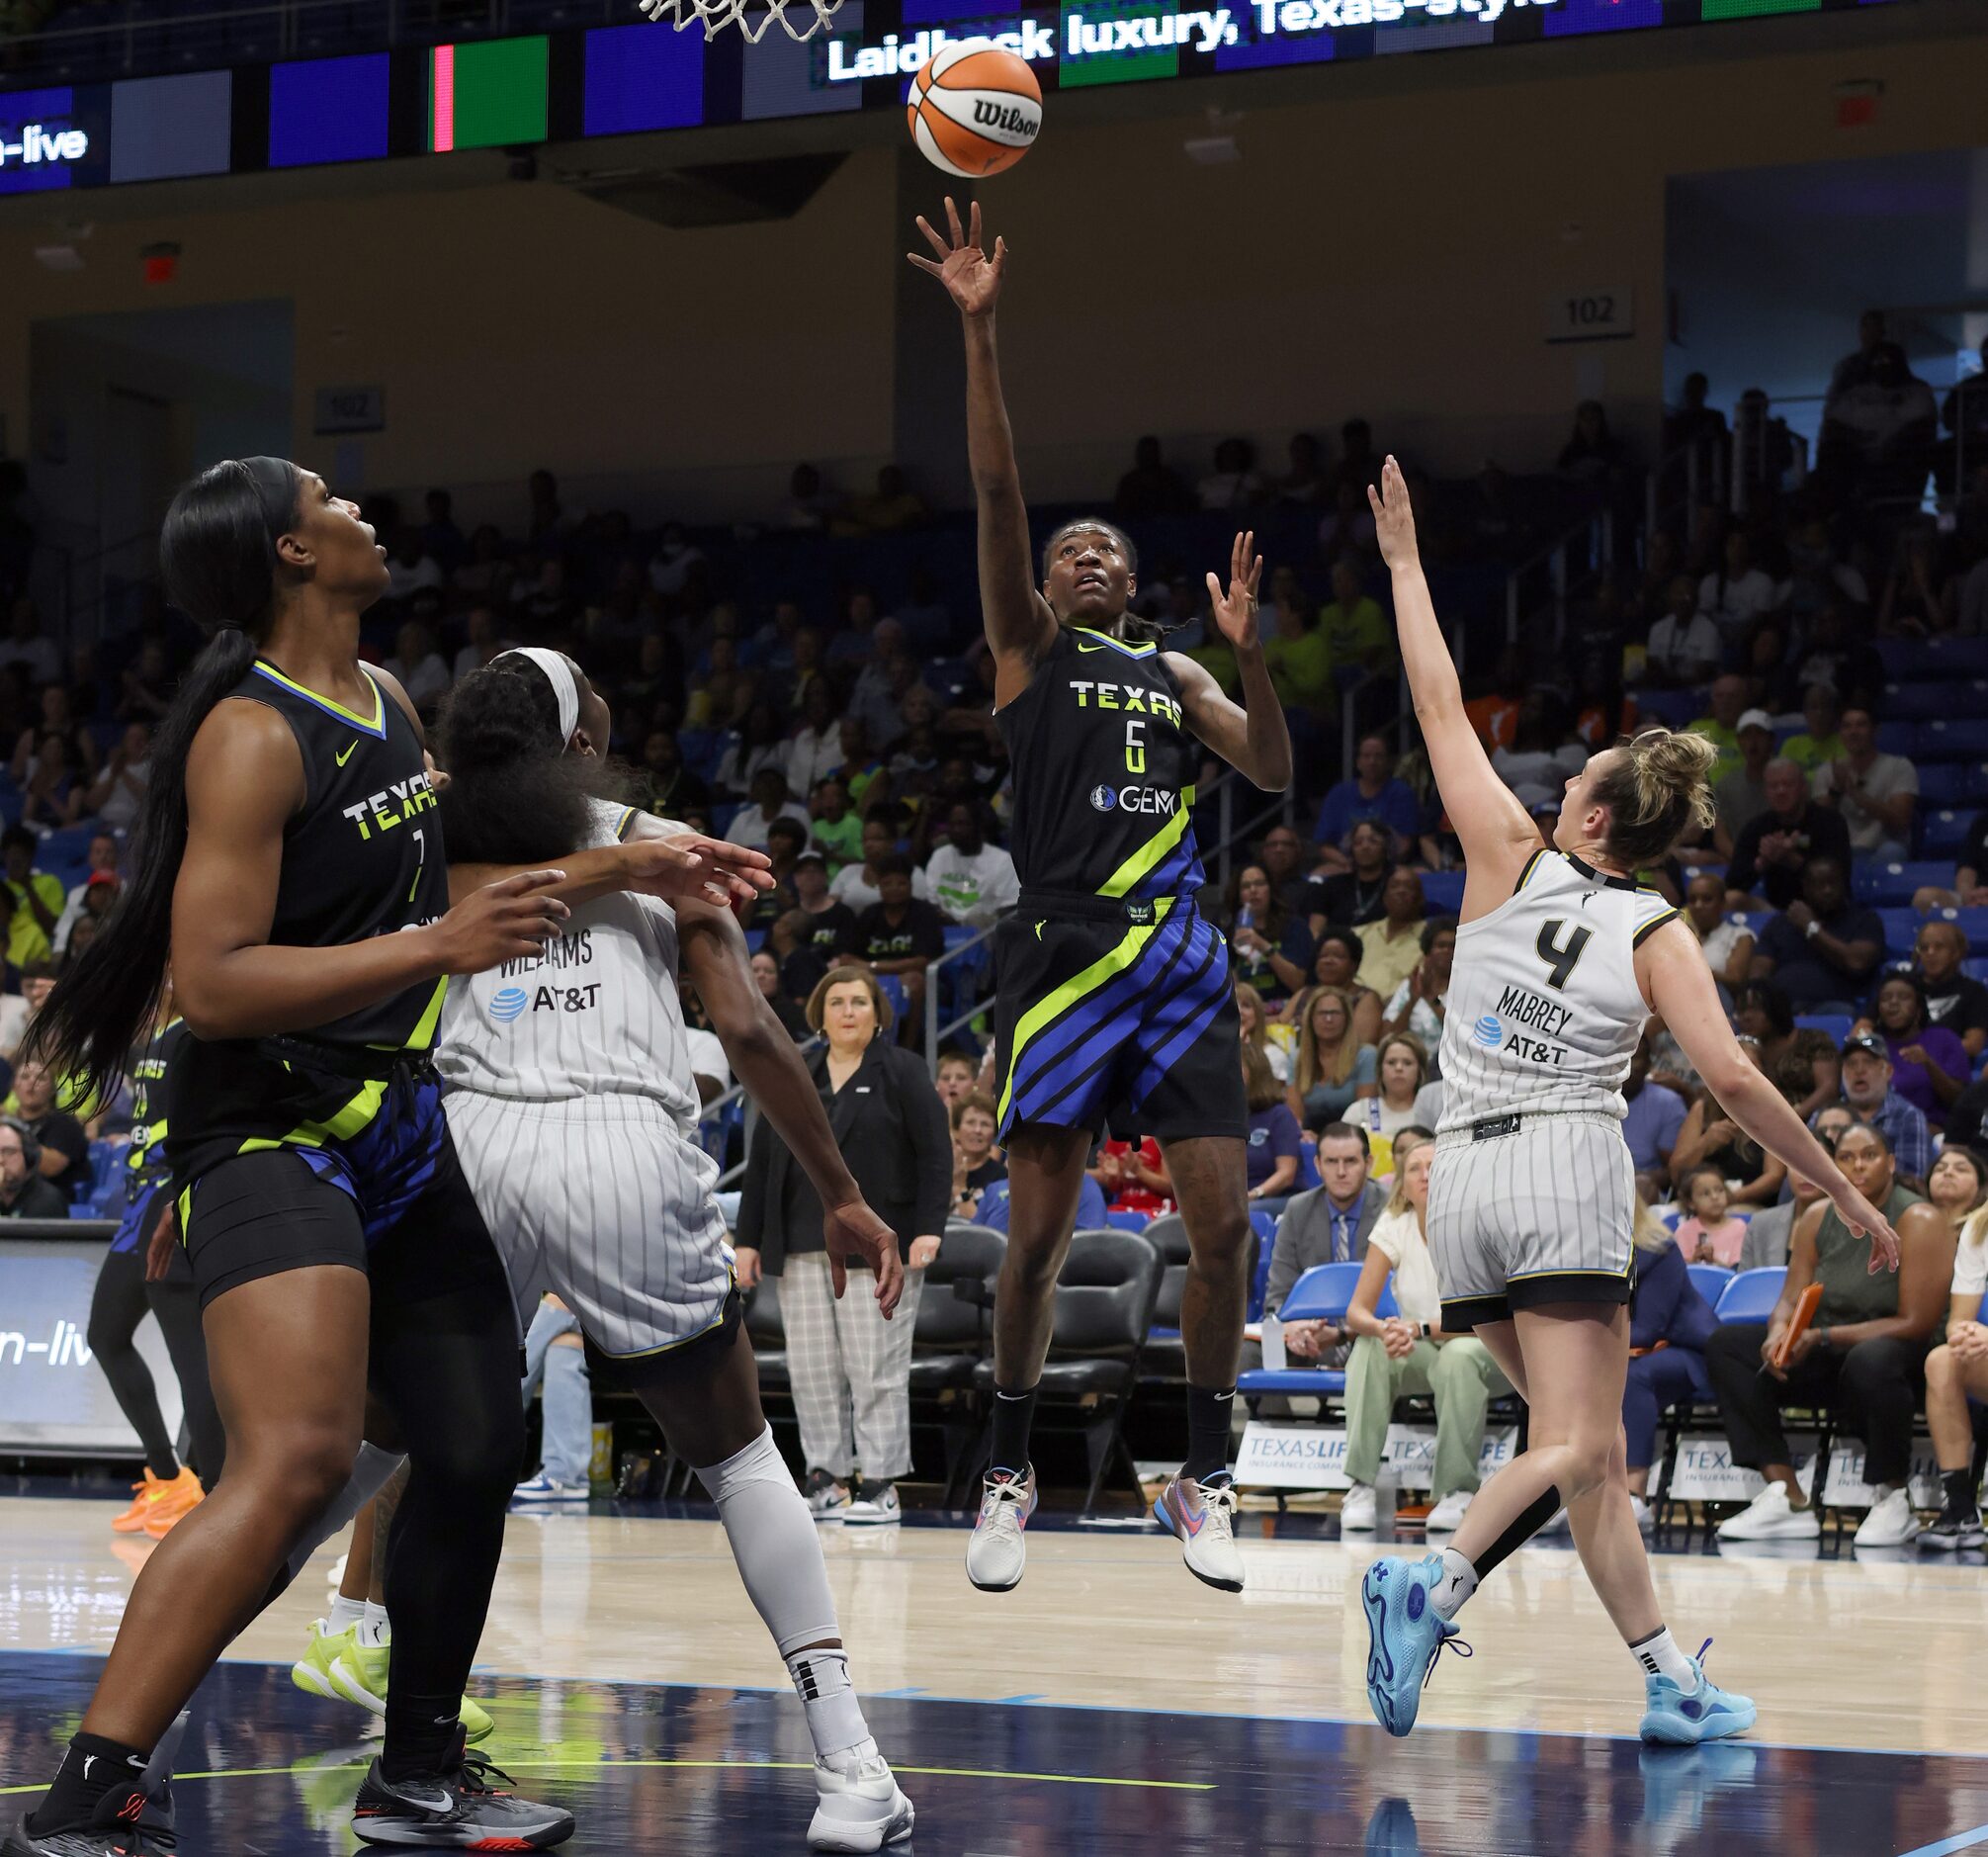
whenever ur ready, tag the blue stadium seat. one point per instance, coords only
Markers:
(1901, 928)
(1965, 739)
(1673, 708)
(755, 940)
(1709, 1281)
(893, 986)
(1894, 885)
(1836, 1025)
(1307, 1382)
(1442, 890)
(1916, 703)
(1325, 1292)
(1266, 1226)
(1927, 658)
(1898, 737)
(1129, 1221)
(1952, 783)
(1943, 832)
(1751, 1294)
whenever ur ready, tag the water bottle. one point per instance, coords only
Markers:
(1275, 1356)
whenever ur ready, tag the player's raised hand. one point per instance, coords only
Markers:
(1235, 610)
(853, 1226)
(508, 921)
(972, 279)
(708, 870)
(1867, 1222)
(1394, 518)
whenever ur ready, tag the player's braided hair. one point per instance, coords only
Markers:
(1656, 790)
(515, 796)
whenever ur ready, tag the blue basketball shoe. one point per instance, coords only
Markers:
(1684, 1718)
(1406, 1635)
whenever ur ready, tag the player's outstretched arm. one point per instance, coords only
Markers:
(1019, 622)
(1251, 736)
(1679, 987)
(767, 1061)
(1492, 826)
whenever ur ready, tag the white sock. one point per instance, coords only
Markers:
(1659, 1655)
(345, 1613)
(373, 1629)
(778, 1550)
(1458, 1583)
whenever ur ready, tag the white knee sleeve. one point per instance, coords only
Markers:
(775, 1544)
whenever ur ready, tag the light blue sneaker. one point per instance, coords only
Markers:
(1406, 1635)
(1682, 1719)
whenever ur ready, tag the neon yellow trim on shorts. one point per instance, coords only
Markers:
(1045, 1011)
(1156, 848)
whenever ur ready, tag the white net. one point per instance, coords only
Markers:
(799, 19)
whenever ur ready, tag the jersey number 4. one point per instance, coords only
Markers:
(1560, 960)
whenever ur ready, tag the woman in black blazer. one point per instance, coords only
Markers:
(850, 1368)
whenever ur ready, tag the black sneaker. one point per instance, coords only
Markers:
(457, 1807)
(126, 1824)
(1953, 1530)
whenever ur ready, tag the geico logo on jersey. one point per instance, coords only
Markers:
(1131, 699)
(1134, 799)
(377, 812)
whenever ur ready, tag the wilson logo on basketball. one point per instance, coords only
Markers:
(1005, 118)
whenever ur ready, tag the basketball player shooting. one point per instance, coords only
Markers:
(1115, 998)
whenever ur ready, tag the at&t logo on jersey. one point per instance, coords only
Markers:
(506, 1005)
(1488, 1032)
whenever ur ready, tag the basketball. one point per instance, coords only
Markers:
(975, 109)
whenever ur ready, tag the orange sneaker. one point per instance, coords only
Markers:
(143, 1495)
(175, 1500)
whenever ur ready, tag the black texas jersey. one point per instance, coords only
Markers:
(1103, 772)
(363, 855)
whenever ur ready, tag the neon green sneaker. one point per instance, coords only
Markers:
(311, 1672)
(358, 1672)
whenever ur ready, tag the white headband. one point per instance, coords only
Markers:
(558, 673)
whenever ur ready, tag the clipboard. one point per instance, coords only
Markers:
(1804, 1315)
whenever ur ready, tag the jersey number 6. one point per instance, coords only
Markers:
(1560, 962)
(1134, 746)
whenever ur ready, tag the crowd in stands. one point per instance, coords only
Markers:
(818, 687)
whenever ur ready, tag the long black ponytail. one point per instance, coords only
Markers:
(515, 796)
(218, 558)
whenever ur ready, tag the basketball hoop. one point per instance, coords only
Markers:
(800, 19)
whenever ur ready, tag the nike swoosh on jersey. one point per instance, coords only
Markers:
(341, 759)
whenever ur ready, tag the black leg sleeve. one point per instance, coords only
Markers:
(117, 1308)
(175, 1303)
(447, 1367)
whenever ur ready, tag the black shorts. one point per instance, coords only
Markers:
(1117, 1013)
(264, 1213)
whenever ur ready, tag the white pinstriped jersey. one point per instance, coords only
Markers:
(1544, 1011)
(595, 1014)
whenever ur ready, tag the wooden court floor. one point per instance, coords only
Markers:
(1867, 1660)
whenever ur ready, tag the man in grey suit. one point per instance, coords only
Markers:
(1328, 1225)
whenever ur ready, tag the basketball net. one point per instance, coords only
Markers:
(800, 19)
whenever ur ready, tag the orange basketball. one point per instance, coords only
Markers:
(974, 109)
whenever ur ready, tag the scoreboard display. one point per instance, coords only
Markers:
(621, 80)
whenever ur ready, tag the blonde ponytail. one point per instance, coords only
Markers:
(1657, 790)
